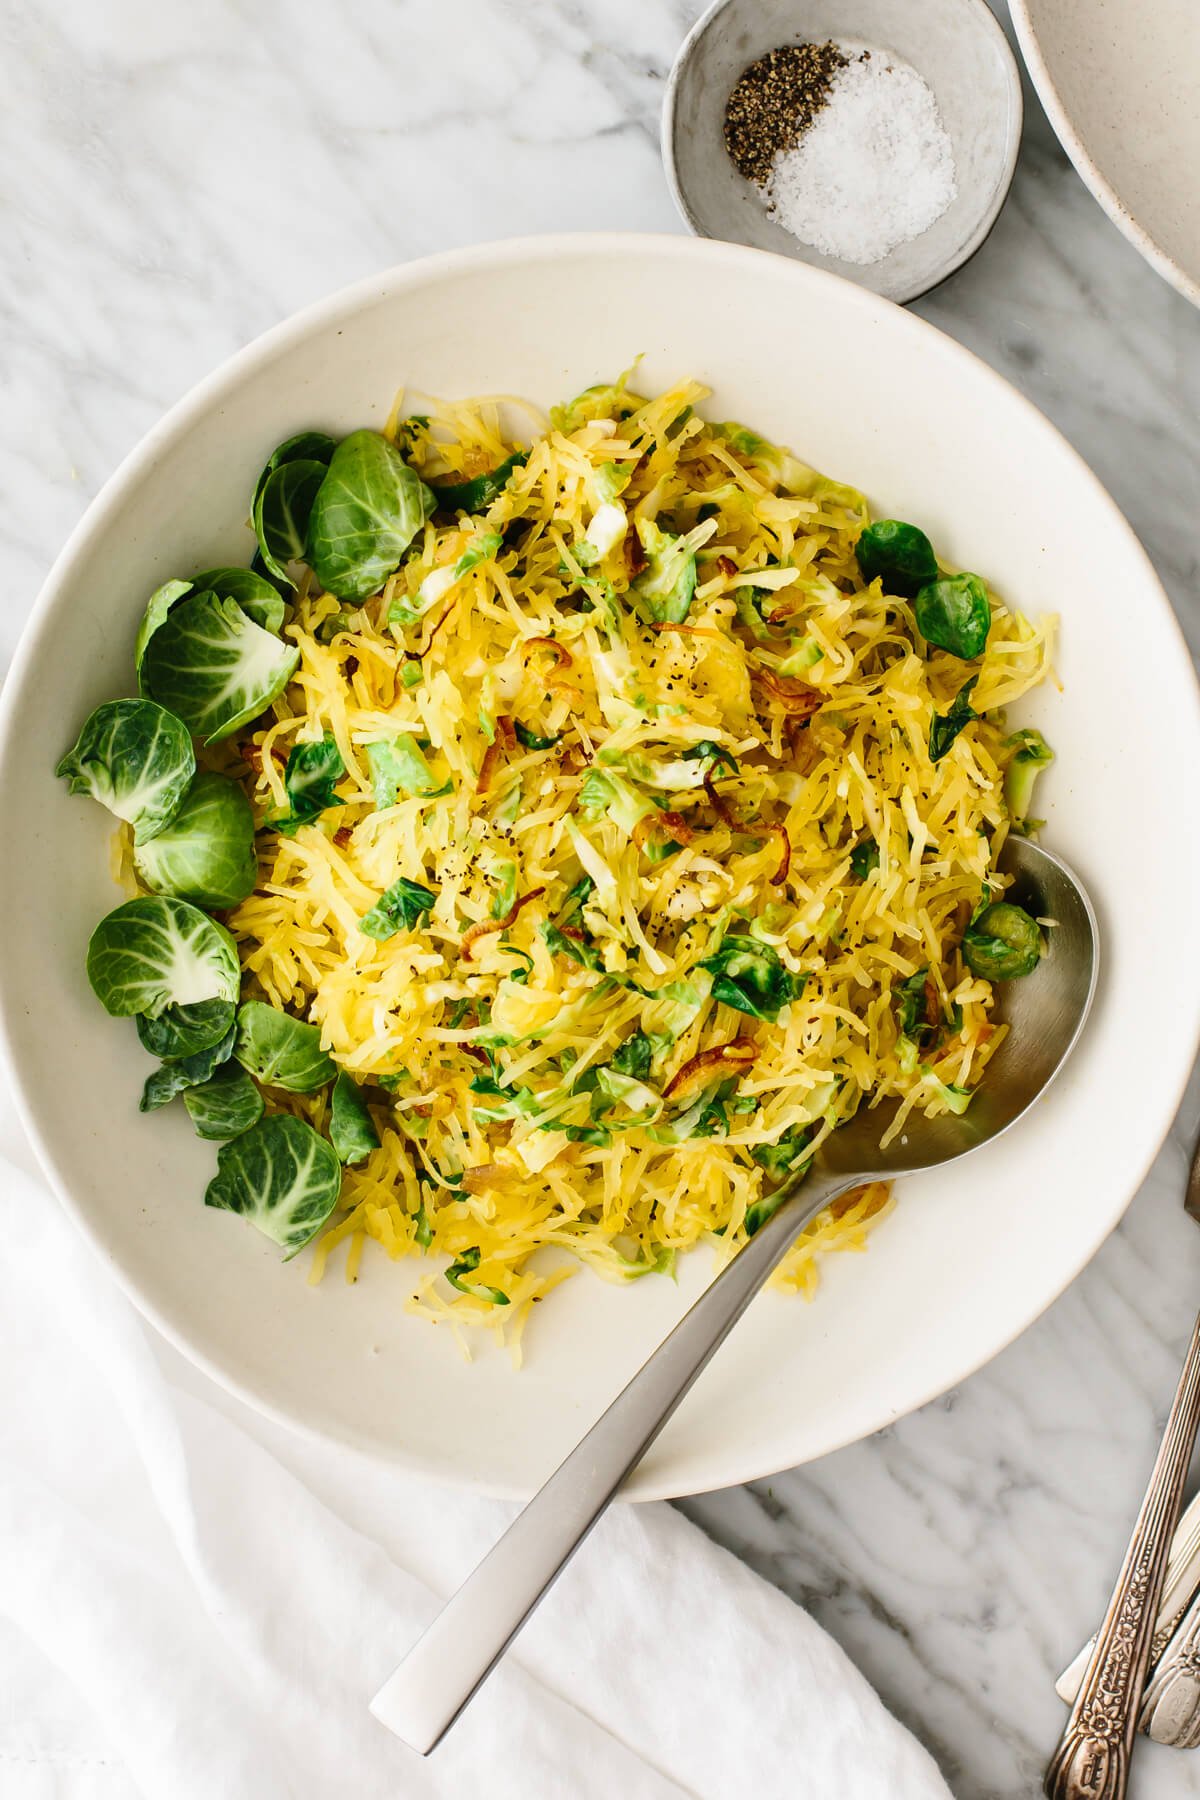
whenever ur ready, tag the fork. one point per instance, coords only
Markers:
(1093, 1754)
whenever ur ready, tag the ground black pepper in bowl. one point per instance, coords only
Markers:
(774, 102)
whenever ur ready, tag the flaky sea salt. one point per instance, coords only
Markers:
(874, 169)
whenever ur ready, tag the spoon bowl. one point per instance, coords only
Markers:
(1045, 1010)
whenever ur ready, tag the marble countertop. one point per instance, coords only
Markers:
(183, 176)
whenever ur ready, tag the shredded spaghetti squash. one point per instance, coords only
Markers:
(650, 834)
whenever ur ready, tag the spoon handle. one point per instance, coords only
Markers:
(1092, 1759)
(457, 1653)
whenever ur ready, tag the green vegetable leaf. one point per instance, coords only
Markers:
(603, 400)
(214, 668)
(911, 1007)
(786, 470)
(481, 549)
(605, 792)
(955, 614)
(899, 555)
(257, 596)
(398, 767)
(474, 495)
(351, 1127)
(185, 1072)
(1032, 755)
(1002, 943)
(778, 1159)
(464, 1265)
(280, 1051)
(157, 607)
(634, 1056)
(206, 854)
(665, 587)
(281, 1176)
(864, 858)
(225, 1105)
(282, 510)
(311, 774)
(707, 751)
(403, 905)
(750, 976)
(180, 1031)
(136, 759)
(306, 446)
(945, 727)
(368, 509)
(529, 740)
(153, 953)
(580, 950)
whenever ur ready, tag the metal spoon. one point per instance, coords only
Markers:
(1045, 1011)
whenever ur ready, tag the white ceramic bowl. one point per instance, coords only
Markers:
(955, 45)
(1120, 83)
(970, 1256)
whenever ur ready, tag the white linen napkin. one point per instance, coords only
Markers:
(182, 1618)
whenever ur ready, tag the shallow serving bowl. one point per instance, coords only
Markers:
(969, 1257)
(1119, 82)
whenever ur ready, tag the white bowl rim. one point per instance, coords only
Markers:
(1101, 188)
(989, 26)
(130, 471)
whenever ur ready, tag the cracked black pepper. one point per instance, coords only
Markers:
(775, 101)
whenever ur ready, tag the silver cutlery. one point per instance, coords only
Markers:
(1181, 1584)
(1045, 1011)
(1092, 1758)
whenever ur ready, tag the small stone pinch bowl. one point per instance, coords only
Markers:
(955, 45)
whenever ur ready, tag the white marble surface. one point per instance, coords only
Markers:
(179, 176)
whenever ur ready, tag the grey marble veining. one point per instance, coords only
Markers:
(179, 177)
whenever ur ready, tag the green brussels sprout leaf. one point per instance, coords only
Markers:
(1032, 754)
(183, 1031)
(306, 446)
(530, 740)
(750, 976)
(281, 1176)
(634, 1056)
(473, 496)
(206, 854)
(466, 1264)
(157, 607)
(955, 614)
(311, 773)
(1002, 943)
(665, 587)
(153, 953)
(282, 509)
(136, 759)
(368, 509)
(214, 667)
(402, 906)
(864, 858)
(351, 1127)
(398, 767)
(945, 727)
(280, 1051)
(898, 555)
(186, 1072)
(254, 592)
(225, 1105)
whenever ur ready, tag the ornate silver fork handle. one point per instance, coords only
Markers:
(1171, 1703)
(1092, 1759)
